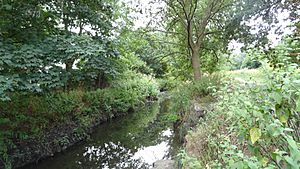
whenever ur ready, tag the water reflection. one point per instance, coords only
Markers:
(136, 141)
(152, 153)
(110, 155)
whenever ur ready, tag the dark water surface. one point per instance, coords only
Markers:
(134, 141)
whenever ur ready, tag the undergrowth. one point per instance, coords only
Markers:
(253, 125)
(186, 97)
(28, 116)
(184, 94)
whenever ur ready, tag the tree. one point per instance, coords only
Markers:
(205, 27)
(89, 17)
(26, 20)
(39, 37)
(194, 17)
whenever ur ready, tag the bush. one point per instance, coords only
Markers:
(254, 125)
(187, 92)
(168, 84)
(139, 85)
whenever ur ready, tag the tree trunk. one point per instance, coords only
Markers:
(100, 81)
(69, 64)
(196, 65)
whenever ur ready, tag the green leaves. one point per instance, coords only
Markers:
(264, 114)
(7, 7)
(255, 134)
(291, 159)
(298, 105)
(277, 97)
(284, 118)
(39, 66)
(34, 48)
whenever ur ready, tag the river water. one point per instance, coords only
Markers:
(134, 141)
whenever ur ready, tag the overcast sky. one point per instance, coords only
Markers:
(141, 20)
(141, 16)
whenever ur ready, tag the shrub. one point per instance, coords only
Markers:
(139, 85)
(187, 92)
(259, 127)
(168, 84)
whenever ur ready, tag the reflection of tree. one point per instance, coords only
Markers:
(110, 155)
(124, 137)
(153, 133)
(113, 145)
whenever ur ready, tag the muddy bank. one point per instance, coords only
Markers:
(55, 140)
(134, 141)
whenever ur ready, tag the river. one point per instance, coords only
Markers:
(134, 141)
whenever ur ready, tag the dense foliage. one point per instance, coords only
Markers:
(45, 45)
(62, 63)
(29, 116)
(78, 61)
(254, 125)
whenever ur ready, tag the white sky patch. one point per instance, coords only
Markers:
(152, 153)
(282, 25)
(235, 47)
(144, 11)
(275, 38)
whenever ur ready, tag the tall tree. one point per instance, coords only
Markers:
(38, 36)
(207, 26)
(195, 20)
(26, 20)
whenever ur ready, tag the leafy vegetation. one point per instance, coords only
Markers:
(182, 96)
(29, 117)
(254, 125)
(75, 63)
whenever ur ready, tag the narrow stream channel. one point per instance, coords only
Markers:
(134, 141)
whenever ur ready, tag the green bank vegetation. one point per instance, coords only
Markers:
(254, 124)
(78, 63)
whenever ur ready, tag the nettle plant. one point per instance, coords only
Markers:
(264, 122)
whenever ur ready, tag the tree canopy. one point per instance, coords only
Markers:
(56, 44)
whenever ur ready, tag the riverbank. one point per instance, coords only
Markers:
(34, 127)
(54, 141)
(136, 140)
(253, 123)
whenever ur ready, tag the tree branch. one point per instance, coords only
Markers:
(166, 32)
(189, 26)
